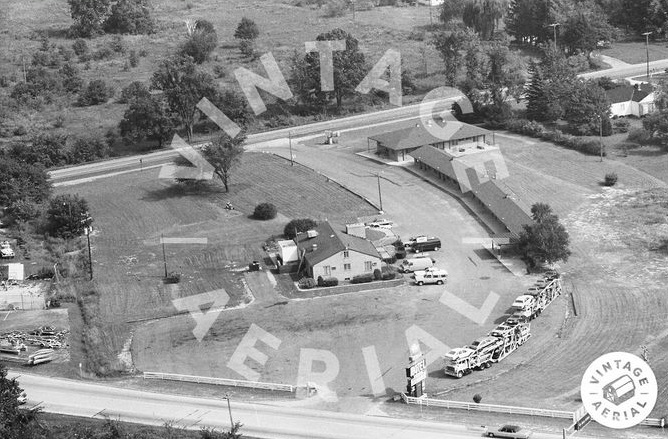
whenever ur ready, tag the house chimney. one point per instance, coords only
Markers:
(314, 247)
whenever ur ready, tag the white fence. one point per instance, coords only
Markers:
(650, 422)
(487, 407)
(219, 381)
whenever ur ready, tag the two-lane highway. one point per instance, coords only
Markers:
(92, 400)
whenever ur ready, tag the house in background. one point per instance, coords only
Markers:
(631, 100)
(328, 252)
(397, 145)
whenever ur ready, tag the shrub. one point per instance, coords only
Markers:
(362, 278)
(117, 44)
(638, 135)
(336, 8)
(97, 92)
(200, 44)
(610, 179)
(102, 53)
(134, 90)
(20, 130)
(477, 398)
(133, 59)
(621, 126)
(173, 277)
(80, 47)
(377, 274)
(23, 210)
(247, 48)
(306, 283)
(298, 226)
(327, 281)
(219, 70)
(264, 211)
(388, 273)
(87, 149)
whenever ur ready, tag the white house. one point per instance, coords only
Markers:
(631, 100)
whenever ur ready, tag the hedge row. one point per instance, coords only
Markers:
(538, 130)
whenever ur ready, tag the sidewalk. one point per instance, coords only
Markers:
(489, 221)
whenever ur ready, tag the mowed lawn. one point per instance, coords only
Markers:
(635, 52)
(133, 211)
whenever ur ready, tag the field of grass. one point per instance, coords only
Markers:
(377, 30)
(636, 53)
(132, 213)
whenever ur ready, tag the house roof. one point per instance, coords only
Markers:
(416, 136)
(626, 93)
(330, 242)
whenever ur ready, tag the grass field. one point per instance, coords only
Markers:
(635, 52)
(373, 28)
(132, 213)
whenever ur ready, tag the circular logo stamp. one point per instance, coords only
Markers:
(619, 390)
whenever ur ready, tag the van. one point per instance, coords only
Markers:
(427, 245)
(437, 277)
(415, 264)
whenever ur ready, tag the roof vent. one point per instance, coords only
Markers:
(311, 234)
(314, 247)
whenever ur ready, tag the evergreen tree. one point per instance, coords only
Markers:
(537, 105)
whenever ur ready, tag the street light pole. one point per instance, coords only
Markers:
(229, 409)
(554, 32)
(164, 256)
(647, 34)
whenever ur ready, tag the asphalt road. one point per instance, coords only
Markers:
(91, 400)
(629, 70)
(79, 174)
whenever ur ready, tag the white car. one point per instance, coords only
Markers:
(6, 252)
(380, 223)
(436, 276)
(523, 302)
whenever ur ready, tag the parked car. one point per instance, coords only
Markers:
(380, 223)
(6, 252)
(483, 344)
(413, 239)
(411, 265)
(509, 431)
(434, 276)
(426, 245)
(522, 302)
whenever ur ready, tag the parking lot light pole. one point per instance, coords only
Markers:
(647, 34)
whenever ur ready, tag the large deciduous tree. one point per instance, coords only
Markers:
(546, 240)
(584, 26)
(183, 86)
(201, 42)
(587, 107)
(67, 216)
(146, 118)
(224, 153)
(20, 180)
(451, 45)
(130, 17)
(484, 16)
(349, 68)
(89, 16)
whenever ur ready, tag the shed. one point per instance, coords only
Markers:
(287, 250)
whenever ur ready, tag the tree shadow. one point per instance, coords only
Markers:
(179, 190)
(647, 151)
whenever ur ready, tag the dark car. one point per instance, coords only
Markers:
(509, 431)
(431, 244)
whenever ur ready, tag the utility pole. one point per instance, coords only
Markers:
(554, 33)
(647, 34)
(90, 254)
(353, 4)
(292, 162)
(380, 195)
(164, 256)
(600, 134)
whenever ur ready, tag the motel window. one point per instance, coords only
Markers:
(346, 267)
(327, 269)
(368, 266)
(346, 254)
